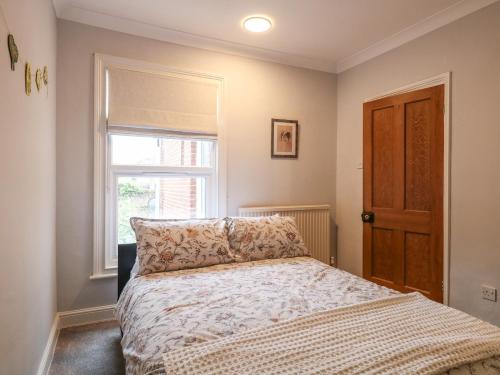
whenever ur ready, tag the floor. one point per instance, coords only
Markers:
(92, 349)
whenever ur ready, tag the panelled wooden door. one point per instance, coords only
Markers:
(403, 154)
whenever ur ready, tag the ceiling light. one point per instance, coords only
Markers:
(257, 24)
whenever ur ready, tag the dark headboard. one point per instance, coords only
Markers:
(126, 259)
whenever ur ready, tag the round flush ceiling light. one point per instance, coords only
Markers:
(257, 24)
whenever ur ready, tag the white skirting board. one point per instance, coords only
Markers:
(86, 316)
(50, 347)
(67, 319)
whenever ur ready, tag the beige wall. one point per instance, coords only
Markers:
(27, 199)
(470, 49)
(255, 92)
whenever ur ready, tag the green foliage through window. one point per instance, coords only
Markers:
(134, 199)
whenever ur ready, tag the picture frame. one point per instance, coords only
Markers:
(284, 139)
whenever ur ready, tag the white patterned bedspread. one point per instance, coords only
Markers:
(165, 311)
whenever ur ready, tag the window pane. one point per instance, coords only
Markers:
(160, 151)
(158, 197)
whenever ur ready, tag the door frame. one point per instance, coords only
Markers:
(441, 79)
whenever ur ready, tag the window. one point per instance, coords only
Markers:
(157, 151)
(157, 177)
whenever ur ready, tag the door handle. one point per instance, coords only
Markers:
(367, 217)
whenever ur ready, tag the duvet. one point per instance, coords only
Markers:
(162, 312)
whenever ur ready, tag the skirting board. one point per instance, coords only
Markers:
(67, 319)
(86, 316)
(48, 353)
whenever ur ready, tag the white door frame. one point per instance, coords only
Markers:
(441, 79)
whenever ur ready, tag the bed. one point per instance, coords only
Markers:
(163, 312)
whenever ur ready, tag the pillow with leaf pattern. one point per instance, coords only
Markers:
(270, 237)
(169, 245)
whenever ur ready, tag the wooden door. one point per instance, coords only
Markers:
(403, 192)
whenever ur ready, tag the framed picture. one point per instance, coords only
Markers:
(284, 138)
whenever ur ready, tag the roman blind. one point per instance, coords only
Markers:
(157, 101)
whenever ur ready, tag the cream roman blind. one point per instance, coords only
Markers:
(156, 101)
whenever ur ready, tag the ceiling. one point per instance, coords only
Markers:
(327, 35)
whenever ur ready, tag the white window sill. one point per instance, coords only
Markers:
(97, 276)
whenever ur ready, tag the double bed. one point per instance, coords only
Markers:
(167, 312)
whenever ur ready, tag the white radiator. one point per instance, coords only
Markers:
(313, 223)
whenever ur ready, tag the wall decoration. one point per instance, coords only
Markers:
(45, 75)
(38, 79)
(11, 43)
(27, 78)
(284, 138)
(41, 77)
(13, 51)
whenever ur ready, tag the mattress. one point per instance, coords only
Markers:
(166, 311)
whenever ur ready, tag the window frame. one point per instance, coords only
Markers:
(106, 174)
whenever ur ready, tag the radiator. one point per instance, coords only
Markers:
(313, 223)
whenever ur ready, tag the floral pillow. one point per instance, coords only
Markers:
(257, 238)
(164, 245)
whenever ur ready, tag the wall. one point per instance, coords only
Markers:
(470, 49)
(255, 92)
(27, 183)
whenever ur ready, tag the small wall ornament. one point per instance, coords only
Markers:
(13, 51)
(38, 79)
(45, 75)
(27, 78)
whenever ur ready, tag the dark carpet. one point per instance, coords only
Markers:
(92, 349)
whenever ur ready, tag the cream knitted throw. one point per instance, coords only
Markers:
(405, 334)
